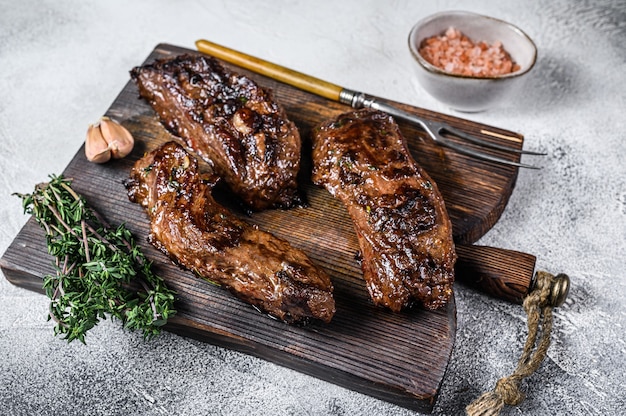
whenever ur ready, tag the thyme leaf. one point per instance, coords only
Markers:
(100, 271)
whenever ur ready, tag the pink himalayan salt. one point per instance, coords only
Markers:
(457, 54)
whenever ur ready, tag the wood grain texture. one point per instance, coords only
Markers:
(400, 357)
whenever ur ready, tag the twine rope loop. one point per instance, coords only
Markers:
(538, 306)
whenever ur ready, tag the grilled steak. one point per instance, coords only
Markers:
(200, 235)
(403, 228)
(229, 121)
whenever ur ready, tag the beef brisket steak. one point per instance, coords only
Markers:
(229, 121)
(400, 219)
(188, 225)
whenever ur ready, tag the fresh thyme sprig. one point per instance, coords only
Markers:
(100, 270)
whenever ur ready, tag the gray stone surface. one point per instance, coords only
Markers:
(63, 63)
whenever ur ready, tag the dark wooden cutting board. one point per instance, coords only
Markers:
(400, 357)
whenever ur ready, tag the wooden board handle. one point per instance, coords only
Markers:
(501, 273)
(277, 72)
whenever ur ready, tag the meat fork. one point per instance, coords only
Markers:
(437, 131)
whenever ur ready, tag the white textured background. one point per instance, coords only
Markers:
(62, 63)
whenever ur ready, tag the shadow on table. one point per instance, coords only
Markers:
(554, 82)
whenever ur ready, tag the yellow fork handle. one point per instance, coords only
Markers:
(277, 72)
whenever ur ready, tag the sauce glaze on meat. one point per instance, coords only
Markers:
(403, 228)
(188, 225)
(229, 121)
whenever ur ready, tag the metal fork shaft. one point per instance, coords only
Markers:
(360, 100)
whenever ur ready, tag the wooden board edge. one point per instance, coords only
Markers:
(184, 326)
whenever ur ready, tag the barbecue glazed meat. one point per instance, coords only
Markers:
(193, 230)
(229, 121)
(401, 222)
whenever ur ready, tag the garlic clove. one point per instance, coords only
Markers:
(96, 148)
(119, 139)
